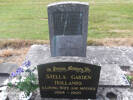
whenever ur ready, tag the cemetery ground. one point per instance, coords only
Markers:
(27, 19)
(15, 50)
(23, 23)
(110, 22)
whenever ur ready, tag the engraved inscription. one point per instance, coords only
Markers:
(67, 23)
(68, 80)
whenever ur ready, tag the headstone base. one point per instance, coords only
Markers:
(104, 93)
(112, 82)
(111, 75)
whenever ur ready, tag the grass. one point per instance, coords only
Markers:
(27, 19)
(17, 43)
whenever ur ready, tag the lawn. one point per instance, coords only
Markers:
(27, 19)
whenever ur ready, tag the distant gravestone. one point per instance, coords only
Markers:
(68, 27)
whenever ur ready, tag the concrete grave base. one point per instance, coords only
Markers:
(5, 71)
(104, 93)
(111, 74)
(113, 83)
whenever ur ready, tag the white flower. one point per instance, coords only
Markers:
(3, 94)
(14, 81)
(22, 96)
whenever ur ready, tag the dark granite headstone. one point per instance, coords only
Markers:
(73, 80)
(68, 27)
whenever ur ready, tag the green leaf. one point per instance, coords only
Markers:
(10, 84)
(129, 77)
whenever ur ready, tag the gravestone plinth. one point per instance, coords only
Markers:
(112, 78)
(68, 27)
(111, 75)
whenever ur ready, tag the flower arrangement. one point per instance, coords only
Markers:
(24, 79)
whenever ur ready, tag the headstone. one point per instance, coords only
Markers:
(72, 80)
(68, 27)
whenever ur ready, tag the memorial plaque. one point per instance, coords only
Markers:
(68, 80)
